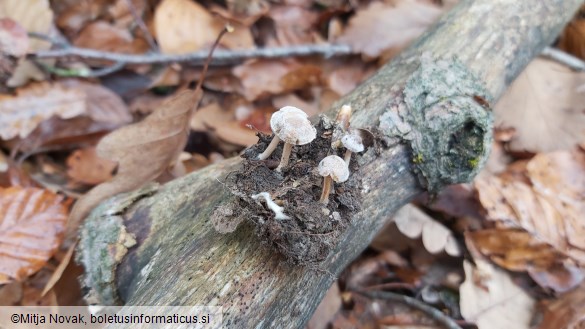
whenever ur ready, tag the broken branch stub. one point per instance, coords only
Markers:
(437, 114)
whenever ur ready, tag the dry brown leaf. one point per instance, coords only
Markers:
(545, 107)
(381, 26)
(515, 249)
(84, 166)
(11, 294)
(13, 38)
(490, 299)
(568, 311)
(572, 40)
(146, 103)
(33, 16)
(103, 36)
(22, 113)
(32, 222)
(234, 133)
(301, 78)
(259, 119)
(74, 15)
(105, 112)
(142, 150)
(59, 270)
(103, 105)
(261, 78)
(551, 208)
(346, 77)
(184, 26)
(436, 238)
(327, 309)
(321, 100)
(294, 25)
(210, 116)
(3, 162)
(121, 12)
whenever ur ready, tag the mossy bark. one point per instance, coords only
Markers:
(179, 259)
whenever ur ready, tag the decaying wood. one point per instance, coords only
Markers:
(178, 258)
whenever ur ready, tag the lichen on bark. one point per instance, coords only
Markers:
(442, 114)
(109, 236)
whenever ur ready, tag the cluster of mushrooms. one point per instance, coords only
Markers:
(292, 126)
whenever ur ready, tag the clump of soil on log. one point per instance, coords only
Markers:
(313, 228)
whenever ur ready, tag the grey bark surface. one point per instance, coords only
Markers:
(157, 246)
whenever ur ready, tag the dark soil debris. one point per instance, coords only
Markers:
(313, 228)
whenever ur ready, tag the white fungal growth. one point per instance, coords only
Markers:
(278, 210)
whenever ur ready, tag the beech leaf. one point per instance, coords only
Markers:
(414, 223)
(143, 151)
(22, 113)
(32, 222)
(547, 202)
(545, 107)
(33, 16)
(86, 167)
(490, 299)
(382, 26)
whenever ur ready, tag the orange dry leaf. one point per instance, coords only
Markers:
(568, 311)
(572, 40)
(551, 208)
(382, 26)
(84, 166)
(539, 218)
(32, 222)
(515, 249)
(38, 102)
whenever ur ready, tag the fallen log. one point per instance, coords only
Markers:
(431, 105)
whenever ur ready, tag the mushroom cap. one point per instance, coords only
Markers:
(334, 166)
(292, 126)
(353, 142)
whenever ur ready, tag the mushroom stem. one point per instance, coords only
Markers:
(271, 147)
(343, 117)
(347, 156)
(285, 156)
(326, 190)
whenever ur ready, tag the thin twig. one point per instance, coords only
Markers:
(81, 72)
(57, 41)
(434, 313)
(140, 22)
(220, 57)
(562, 57)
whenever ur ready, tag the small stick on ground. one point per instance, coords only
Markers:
(434, 313)
(220, 56)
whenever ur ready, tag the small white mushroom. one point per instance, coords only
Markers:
(292, 126)
(353, 143)
(278, 210)
(333, 168)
